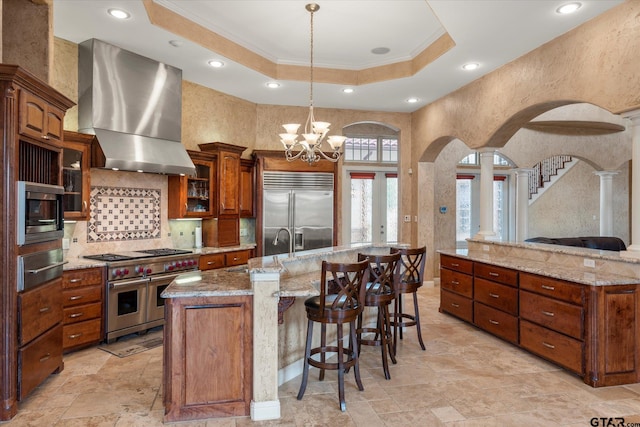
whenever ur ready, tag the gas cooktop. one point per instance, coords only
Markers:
(146, 253)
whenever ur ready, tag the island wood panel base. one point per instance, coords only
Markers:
(593, 331)
(207, 357)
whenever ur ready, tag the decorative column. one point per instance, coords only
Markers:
(633, 250)
(265, 404)
(606, 202)
(486, 195)
(522, 204)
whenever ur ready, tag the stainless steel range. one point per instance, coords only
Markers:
(135, 281)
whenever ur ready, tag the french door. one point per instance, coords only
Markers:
(370, 201)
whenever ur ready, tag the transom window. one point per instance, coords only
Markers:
(381, 149)
(473, 159)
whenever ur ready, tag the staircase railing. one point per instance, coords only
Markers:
(543, 171)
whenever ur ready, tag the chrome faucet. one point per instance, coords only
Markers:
(275, 241)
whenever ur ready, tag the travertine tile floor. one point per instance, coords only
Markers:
(464, 378)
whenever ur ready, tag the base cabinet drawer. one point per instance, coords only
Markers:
(558, 348)
(211, 261)
(553, 314)
(495, 295)
(80, 313)
(456, 282)
(496, 322)
(38, 360)
(457, 305)
(82, 333)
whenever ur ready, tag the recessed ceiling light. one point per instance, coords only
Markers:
(380, 50)
(568, 8)
(412, 100)
(347, 90)
(176, 43)
(216, 64)
(470, 66)
(119, 13)
(273, 85)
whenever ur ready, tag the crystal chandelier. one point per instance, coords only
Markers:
(310, 150)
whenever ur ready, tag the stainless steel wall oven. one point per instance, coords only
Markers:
(40, 212)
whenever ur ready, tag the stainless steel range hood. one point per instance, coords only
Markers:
(133, 105)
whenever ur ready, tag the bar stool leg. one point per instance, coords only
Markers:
(417, 319)
(343, 404)
(355, 350)
(386, 329)
(383, 342)
(323, 345)
(307, 354)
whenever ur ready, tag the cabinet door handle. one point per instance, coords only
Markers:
(494, 322)
(453, 304)
(494, 295)
(75, 280)
(74, 315)
(45, 309)
(45, 136)
(45, 357)
(74, 336)
(551, 346)
(75, 297)
(548, 313)
(84, 206)
(547, 287)
(186, 207)
(455, 264)
(491, 273)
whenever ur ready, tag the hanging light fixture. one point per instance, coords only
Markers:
(310, 150)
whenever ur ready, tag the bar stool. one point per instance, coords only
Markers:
(411, 278)
(384, 273)
(342, 288)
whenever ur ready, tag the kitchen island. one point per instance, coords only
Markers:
(221, 332)
(578, 308)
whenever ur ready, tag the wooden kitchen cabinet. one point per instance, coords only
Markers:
(224, 259)
(224, 230)
(194, 196)
(495, 300)
(83, 307)
(39, 335)
(247, 193)
(76, 176)
(39, 119)
(456, 287)
(208, 355)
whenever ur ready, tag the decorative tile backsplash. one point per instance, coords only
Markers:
(119, 213)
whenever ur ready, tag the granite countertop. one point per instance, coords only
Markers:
(236, 281)
(590, 276)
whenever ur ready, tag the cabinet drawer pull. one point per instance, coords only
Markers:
(235, 258)
(494, 322)
(453, 304)
(551, 346)
(74, 315)
(548, 313)
(45, 309)
(455, 282)
(455, 264)
(75, 297)
(74, 336)
(494, 295)
(45, 357)
(211, 262)
(491, 273)
(75, 280)
(547, 287)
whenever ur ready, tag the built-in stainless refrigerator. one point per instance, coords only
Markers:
(301, 203)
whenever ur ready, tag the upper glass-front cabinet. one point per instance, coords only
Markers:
(193, 196)
(75, 175)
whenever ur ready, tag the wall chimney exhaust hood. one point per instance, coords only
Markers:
(133, 105)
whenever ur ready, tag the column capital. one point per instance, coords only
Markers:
(606, 174)
(522, 171)
(633, 115)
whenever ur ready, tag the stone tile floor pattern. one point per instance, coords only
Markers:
(464, 378)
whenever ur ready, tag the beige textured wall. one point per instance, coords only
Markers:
(27, 36)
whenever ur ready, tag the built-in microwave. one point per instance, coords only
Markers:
(40, 212)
